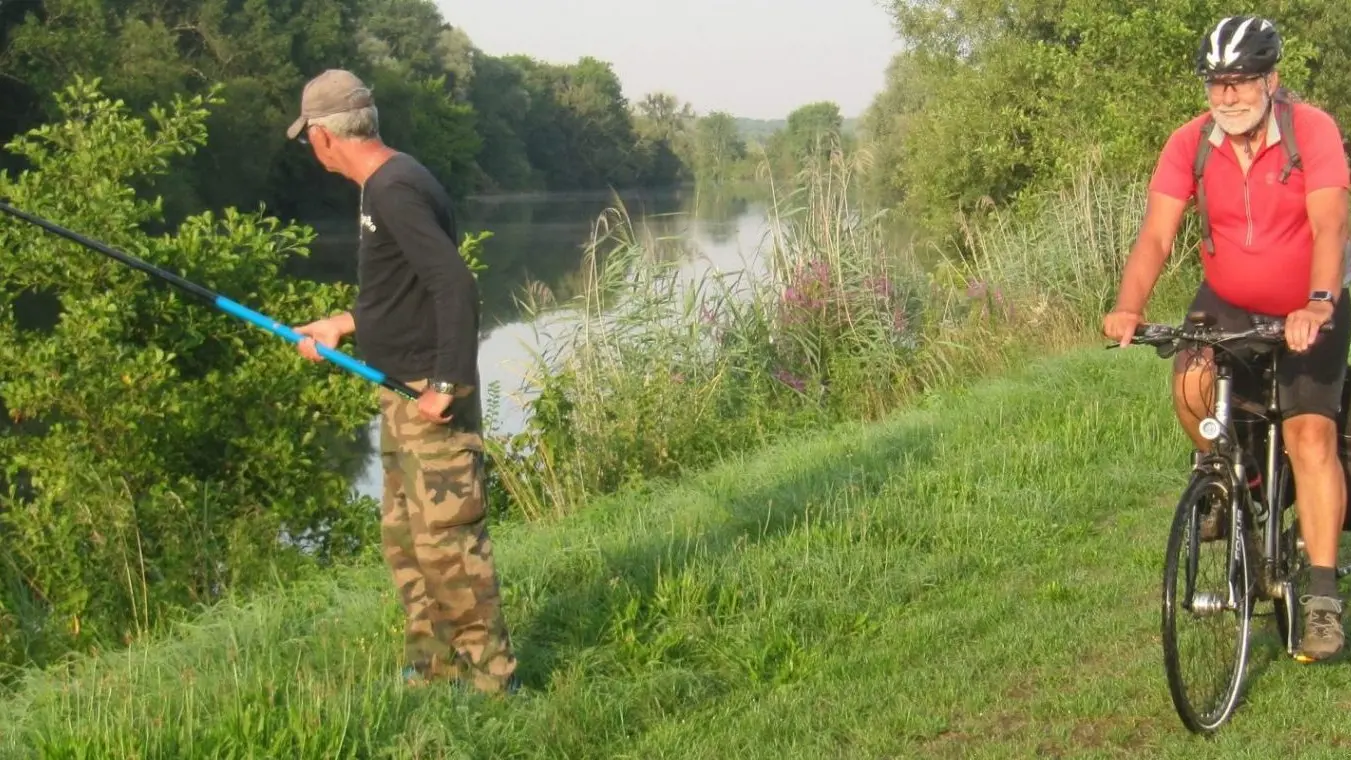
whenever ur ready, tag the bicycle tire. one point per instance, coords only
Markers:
(1185, 533)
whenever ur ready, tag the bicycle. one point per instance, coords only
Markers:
(1258, 532)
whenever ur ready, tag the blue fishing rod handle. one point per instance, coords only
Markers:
(272, 326)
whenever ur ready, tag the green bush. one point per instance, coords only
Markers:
(157, 454)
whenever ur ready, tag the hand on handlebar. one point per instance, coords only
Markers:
(1297, 332)
(1120, 326)
(1303, 325)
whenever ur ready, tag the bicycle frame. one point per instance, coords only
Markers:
(1266, 513)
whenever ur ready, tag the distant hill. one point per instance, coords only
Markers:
(759, 130)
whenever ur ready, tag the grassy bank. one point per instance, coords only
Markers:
(973, 577)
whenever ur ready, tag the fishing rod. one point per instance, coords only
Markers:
(220, 302)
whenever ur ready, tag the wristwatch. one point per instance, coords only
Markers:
(1321, 295)
(441, 386)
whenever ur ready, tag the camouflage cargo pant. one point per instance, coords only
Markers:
(435, 540)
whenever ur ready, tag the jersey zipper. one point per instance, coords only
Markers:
(1247, 209)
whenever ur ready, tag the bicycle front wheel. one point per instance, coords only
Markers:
(1207, 605)
(1291, 563)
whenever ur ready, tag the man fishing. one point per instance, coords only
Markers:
(417, 317)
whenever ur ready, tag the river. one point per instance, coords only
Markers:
(542, 239)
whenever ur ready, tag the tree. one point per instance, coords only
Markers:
(718, 147)
(660, 116)
(813, 129)
(502, 101)
(600, 122)
(427, 122)
(665, 147)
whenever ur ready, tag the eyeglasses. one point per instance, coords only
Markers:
(1240, 83)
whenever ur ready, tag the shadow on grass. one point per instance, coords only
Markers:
(1264, 649)
(576, 618)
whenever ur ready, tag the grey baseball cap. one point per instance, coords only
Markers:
(333, 91)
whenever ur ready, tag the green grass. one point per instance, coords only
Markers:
(974, 577)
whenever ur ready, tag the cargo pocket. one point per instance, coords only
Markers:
(451, 489)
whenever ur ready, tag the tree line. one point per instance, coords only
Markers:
(482, 123)
(989, 104)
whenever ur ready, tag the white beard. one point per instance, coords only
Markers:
(1240, 121)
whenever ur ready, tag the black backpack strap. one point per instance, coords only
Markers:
(1198, 170)
(1285, 120)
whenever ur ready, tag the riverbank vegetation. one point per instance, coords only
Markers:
(664, 375)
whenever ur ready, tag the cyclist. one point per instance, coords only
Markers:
(1274, 247)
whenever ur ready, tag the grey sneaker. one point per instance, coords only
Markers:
(1323, 636)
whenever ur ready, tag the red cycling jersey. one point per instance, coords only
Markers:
(1263, 239)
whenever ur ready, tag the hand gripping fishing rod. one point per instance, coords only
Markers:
(220, 302)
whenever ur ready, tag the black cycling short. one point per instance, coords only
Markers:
(1308, 383)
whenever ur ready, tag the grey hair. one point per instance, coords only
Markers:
(361, 124)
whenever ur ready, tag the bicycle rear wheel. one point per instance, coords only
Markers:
(1207, 607)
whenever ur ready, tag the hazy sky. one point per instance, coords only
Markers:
(756, 58)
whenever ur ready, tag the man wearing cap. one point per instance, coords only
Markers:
(417, 320)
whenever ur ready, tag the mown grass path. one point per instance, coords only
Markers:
(977, 577)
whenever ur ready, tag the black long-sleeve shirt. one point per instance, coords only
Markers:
(417, 310)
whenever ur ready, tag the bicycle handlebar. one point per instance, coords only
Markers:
(1265, 330)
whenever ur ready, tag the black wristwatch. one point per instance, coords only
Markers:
(1322, 295)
